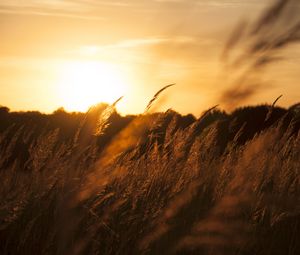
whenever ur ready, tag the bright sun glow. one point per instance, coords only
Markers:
(83, 84)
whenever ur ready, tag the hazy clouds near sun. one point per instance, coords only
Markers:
(156, 42)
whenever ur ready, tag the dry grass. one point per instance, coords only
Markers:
(161, 183)
(182, 187)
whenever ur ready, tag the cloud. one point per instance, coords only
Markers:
(149, 41)
(88, 9)
(214, 3)
(49, 13)
(81, 9)
(136, 43)
(187, 50)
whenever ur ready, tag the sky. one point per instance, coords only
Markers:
(73, 53)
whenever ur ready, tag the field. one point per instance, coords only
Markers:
(157, 183)
(224, 183)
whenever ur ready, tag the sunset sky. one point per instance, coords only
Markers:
(74, 53)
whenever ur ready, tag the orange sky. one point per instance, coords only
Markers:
(50, 49)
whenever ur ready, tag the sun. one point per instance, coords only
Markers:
(85, 83)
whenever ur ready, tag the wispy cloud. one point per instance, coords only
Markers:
(50, 13)
(137, 43)
(143, 42)
(134, 43)
(215, 3)
(82, 9)
(184, 51)
(89, 9)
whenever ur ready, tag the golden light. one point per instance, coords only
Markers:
(85, 83)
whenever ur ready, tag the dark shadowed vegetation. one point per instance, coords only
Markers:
(158, 183)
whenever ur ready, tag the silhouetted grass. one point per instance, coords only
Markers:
(220, 184)
(161, 183)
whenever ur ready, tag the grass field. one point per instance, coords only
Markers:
(151, 184)
(226, 183)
